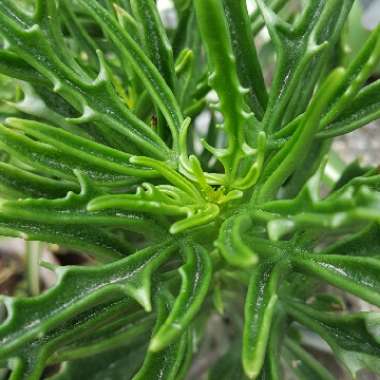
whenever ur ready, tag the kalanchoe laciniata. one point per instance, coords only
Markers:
(185, 216)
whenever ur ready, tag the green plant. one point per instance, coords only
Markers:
(100, 153)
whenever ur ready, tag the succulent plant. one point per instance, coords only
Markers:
(196, 180)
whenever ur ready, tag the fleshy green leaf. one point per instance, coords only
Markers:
(121, 363)
(17, 182)
(144, 68)
(231, 244)
(236, 207)
(196, 278)
(224, 79)
(295, 150)
(356, 275)
(260, 305)
(85, 94)
(353, 338)
(301, 54)
(363, 110)
(249, 69)
(167, 363)
(30, 319)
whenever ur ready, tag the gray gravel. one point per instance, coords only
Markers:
(363, 144)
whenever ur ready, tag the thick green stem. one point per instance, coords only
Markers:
(33, 250)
